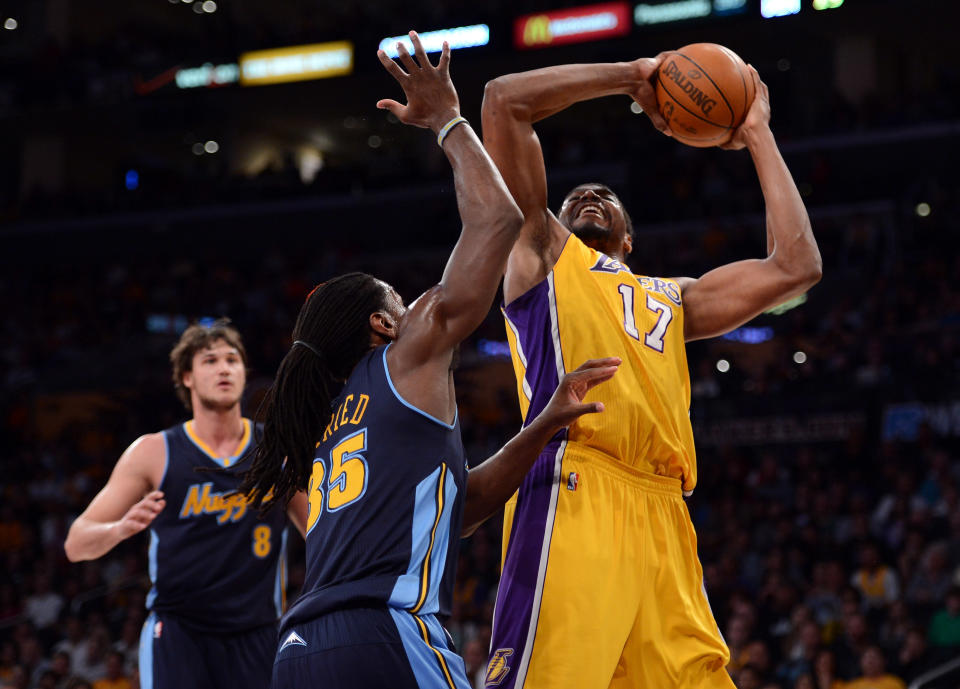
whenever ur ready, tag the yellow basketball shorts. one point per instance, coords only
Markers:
(601, 585)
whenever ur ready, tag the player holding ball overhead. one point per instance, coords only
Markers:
(601, 585)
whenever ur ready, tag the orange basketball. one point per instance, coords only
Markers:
(704, 91)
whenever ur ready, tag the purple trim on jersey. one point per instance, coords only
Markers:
(518, 595)
(530, 315)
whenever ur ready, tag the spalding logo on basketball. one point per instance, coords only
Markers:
(704, 91)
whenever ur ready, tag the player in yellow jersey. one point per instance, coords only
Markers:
(601, 585)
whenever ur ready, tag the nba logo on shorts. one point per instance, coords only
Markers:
(497, 669)
(573, 480)
(157, 629)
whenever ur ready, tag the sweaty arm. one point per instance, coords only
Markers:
(731, 295)
(511, 104)
(127, 505)
(437, 322)
(490, 484)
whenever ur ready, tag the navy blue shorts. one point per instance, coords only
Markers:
(368, 647)
(173, 656)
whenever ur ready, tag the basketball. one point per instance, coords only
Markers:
(704, 91)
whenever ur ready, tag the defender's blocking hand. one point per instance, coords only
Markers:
(431, 97)
(567, 405)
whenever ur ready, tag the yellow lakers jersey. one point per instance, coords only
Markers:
(591, 306)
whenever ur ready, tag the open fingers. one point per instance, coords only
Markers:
(391, 66)
(444, 65)
(405, 58)
(393, 106)
(419, 51)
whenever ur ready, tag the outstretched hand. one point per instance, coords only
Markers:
(567, 405)
(758, 116)
(645, 91)
(431, 97)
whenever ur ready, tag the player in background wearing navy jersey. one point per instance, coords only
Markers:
(363, 415)
(218, 568)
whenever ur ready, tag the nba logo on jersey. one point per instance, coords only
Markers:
(157, 629)
(497, 669)
(573, 480)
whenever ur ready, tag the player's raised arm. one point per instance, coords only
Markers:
(490, 484)
(125, 506)
(731, 295)
(511, 104)
(491, 219)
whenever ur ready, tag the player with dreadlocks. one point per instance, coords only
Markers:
(363, 416)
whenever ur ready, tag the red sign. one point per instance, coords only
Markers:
(574, 25)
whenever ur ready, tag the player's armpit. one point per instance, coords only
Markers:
(729, 296)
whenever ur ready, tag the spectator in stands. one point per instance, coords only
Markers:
(876, 582)
(914, 657)
(43, 606)
(945, 625)
(874, 676)
(932, 580)
(116, 675)
(852, 645)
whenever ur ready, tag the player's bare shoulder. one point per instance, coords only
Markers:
(145, 458)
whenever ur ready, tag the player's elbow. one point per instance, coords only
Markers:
(70, 549)
(498, 99)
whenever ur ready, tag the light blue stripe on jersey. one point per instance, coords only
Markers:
(281, 578)
(406, 592)
(152, 567)
(427, 667)
(146, 652)
(438, 558)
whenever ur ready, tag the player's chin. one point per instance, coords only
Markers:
(221, 401)
(587, 230)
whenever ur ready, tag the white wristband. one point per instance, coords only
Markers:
(448, 127)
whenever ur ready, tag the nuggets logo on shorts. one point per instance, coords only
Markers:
(498, 669)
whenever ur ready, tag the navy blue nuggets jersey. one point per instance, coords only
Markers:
(214, 562)
(385, 497)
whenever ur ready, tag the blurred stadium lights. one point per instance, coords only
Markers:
(296, 63)
(826, 4)
(207, 75)
(750, 335)
(800, 357)
(635, 108)
(779, 8)
(131, 180)
(197, 149)
(721, 7)
(723, 365)
(573, 25)
(211, 147)
(671, 11)
(10, 24)
(209, 6)
(460, 37)
(923, 209)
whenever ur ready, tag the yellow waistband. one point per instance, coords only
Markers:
(594, 459)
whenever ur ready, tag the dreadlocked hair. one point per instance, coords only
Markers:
(334, 322)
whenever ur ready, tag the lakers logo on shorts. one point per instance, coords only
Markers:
(498, 668)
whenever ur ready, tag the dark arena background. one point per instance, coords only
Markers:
(151, 175)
